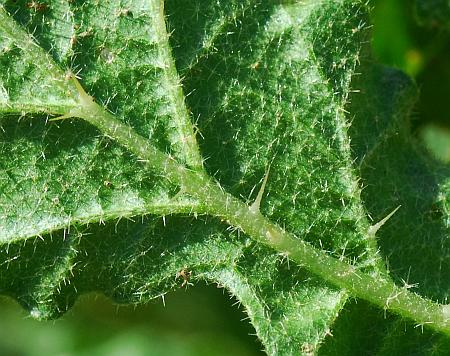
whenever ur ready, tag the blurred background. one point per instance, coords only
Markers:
(423, 52)
(204, 320)
(201, 321)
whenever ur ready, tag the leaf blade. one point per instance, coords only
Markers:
(328, 84)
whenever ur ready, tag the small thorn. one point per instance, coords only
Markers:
(85, 99)
(254, 208)
(62, 117)
(374, 228)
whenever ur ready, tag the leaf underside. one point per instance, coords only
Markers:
(267, 83)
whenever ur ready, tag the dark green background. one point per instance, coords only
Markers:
(204, 320)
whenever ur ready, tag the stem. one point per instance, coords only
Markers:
(214, 201)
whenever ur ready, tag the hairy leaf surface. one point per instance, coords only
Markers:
(267, 87)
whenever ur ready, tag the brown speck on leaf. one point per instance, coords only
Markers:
(186, 275)
(255, 65)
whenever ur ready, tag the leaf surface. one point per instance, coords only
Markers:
(396, 171)
(266, 83)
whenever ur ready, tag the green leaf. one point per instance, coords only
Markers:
(121, 210)
(396, 170)
(433, 12)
